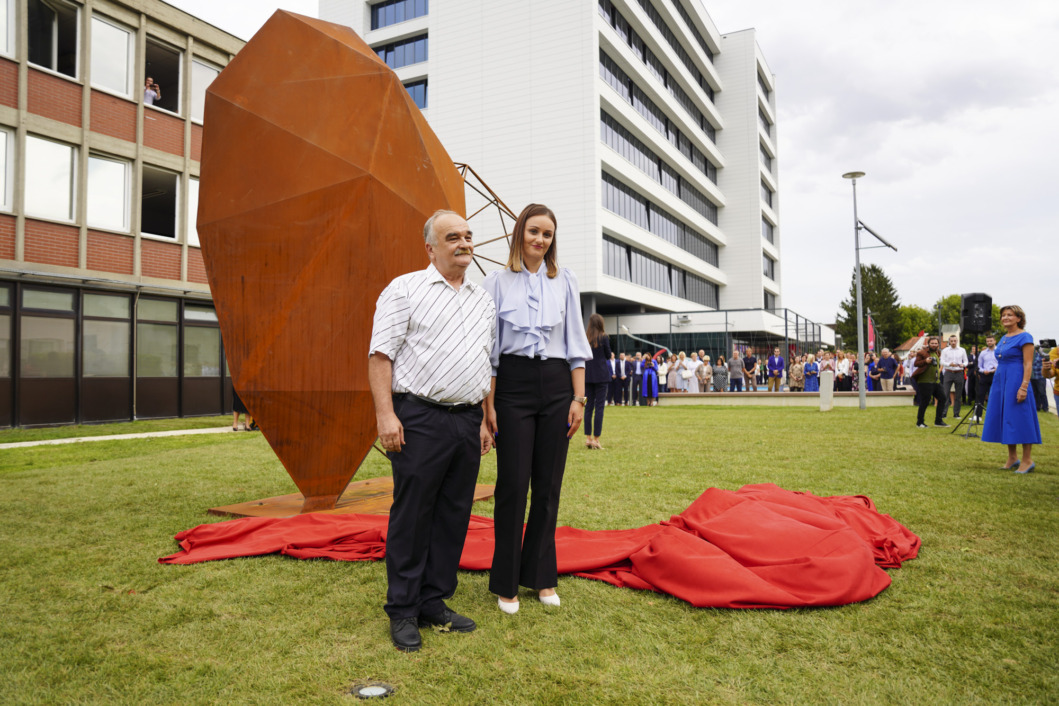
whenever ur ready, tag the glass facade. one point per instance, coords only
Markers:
(694, 31)
(617, 79)
(47, 347)
(674, 43)
(630, 264)
(618, 138)
(405, 52)
(623, 201)
(391, 12)
(655, 66)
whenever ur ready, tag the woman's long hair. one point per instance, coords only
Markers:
(596, 330)
(518, 236)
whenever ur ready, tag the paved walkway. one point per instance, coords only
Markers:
(116, 437)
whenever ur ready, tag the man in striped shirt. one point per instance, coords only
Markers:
(429, 371)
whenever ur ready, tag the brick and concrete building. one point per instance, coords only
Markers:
(105, 313)
(651, 135)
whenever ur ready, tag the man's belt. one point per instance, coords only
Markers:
(444, 406)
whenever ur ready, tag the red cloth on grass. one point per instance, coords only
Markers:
(758, 547)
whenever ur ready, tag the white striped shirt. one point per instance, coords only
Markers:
(439, 339)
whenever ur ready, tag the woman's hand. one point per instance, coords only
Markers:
(489, 421)
(486, 438)
(1021, 395)
(573, 419)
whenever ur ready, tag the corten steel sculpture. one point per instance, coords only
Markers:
(318, 172)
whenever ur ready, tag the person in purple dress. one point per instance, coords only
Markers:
(650, 381)
(1011, 416)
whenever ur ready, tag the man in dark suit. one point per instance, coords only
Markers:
(614, 390)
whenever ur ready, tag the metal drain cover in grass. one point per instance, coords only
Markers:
(371, 690)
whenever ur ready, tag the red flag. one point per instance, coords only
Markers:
(871, 334)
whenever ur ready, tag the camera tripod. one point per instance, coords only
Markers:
(975, 414)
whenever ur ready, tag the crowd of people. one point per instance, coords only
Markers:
(636, 379)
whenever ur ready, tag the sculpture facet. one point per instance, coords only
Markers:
(318, 173)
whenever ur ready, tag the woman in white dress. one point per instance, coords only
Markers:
(693, 364)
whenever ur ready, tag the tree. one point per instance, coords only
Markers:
(950, 311)
(915, 319)
(880, 297)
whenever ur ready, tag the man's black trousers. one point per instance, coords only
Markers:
(928, 391)
(532, 402)
(433, 490)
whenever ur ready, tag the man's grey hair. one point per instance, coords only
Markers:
(885, 350)
(428, 228)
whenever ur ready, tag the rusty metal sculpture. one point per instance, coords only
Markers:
(318, 173)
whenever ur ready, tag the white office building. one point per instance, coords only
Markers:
(649, 133)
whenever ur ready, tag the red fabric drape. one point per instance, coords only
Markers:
(758, 547)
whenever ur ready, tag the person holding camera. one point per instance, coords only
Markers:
(151, 92)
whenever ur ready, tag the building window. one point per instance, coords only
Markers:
(202, 76)
(7, 167)
(53, 35)
(163, 65)
(108, 193)
(202, 343)
(623, 201)
(768, 231)
(405, 52)
(766, 194)
(418, 91)
(766, 160)
(768, 266)
(763, 85)
(156, 338)
(5, 332)
(769, 301)
(112, 59)
(391, 12)
(193, 212)
(47, 333)
(764, 121)
(106, 329)
(7, 27)
(158, 203)
(50, 169)
(630, 264)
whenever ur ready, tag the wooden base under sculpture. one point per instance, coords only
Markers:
(365, 497)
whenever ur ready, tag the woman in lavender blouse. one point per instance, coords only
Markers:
(536, 405)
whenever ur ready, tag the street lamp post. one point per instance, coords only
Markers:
(862, 394)
(857, 225)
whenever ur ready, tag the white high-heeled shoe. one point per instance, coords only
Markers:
(509, 608)
(552, 600)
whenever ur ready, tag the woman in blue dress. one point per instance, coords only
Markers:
(812, 374)
(650, 381)
(1011, 417)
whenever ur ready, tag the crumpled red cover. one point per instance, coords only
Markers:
(758, 547)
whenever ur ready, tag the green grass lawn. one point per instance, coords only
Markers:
(89, 616)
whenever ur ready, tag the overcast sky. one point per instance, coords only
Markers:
(951, 107)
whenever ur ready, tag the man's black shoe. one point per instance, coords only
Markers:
(447, 621)
(405, 634)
